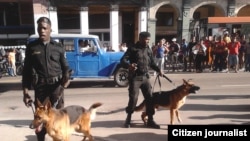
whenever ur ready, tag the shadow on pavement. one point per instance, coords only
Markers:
(219, 97)
(129, 136)
(230, 116)
(16, 123)
(135, 136)
(10, 86)
(92, 84)
(132, 137)
(210, 107)
(30, 138)
(5, 87)
(20, 124)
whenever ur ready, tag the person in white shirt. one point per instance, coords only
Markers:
(84, 46)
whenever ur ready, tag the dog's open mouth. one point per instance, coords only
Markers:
(37, 128)
(194, 89)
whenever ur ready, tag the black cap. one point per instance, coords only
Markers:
(44, 19)
(144, 34)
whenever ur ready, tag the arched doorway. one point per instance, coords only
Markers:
(166, 23)
(199, 26)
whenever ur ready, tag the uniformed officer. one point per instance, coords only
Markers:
(45, 67)
(138, 59)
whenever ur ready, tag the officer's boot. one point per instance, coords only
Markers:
(128, 121)
(41, 135)
(151, 123)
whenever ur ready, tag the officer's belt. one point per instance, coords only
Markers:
(49, 80)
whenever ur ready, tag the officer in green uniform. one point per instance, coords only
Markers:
(138, 59)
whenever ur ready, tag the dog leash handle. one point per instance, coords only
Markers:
(168, 79)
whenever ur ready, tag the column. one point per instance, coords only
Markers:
(39, 10)
(52, 11)
(186, 23)
(179, 29)
(143, 19)
(84, 20)
(152, 30)
(114, 28)
(231, 8)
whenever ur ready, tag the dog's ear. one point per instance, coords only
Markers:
(184, 82)
(39, 104)
(47, 103)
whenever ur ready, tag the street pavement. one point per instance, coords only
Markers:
(223, 99)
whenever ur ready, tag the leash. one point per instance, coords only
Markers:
(61, 89)
(159, 81)
(31, 104)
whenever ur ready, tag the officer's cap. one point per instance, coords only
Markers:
(44, 19)
(144, 34)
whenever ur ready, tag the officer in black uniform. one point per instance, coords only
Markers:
(45, 67)
(138, 59)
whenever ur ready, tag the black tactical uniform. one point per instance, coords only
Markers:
(45, 67)
(139, 78)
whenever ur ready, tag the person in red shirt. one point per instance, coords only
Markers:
(219, 51)
(233, 59)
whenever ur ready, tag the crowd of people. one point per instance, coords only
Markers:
(225, 53)
(8, 60)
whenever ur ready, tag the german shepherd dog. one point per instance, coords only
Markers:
(172, 100)
(60, 123)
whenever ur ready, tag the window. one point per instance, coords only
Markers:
(67, 43)
(164, 19)
(9, 14)
(98, 21)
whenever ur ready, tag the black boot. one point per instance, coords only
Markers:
(41, 135)
(128, 121)
(151, 124)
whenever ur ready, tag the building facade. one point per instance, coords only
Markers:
(119, 21)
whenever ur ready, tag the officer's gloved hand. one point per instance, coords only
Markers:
(133, 66)
(65, 78)
(27, 100)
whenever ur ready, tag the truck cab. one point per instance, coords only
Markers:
(88, 59)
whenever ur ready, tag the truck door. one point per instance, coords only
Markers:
(88, 58)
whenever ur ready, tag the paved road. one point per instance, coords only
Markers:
(223, 99)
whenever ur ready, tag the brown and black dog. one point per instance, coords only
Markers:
(172, 100)
(60, 123)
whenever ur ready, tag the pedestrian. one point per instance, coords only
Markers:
(12, 62)
(233, 58)
(46, 69)
(161, 51)
(191, 55)
(174, 50)
(138, 59)
(185, 53)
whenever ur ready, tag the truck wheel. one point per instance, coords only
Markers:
(121, 77)
(19, 70)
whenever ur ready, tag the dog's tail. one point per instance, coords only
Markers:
(140, 107)
(92, 110)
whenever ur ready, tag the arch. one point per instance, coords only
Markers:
(237, 10)
(213, 3)
(157, 6)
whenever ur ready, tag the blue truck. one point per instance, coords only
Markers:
(93, 61)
